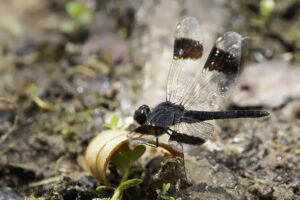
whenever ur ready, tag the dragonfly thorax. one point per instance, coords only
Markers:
(166, 114)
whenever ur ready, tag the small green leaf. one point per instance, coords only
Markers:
(114, 121)
(113, 124)
(69, 26)
(107, 126)
(129, 183)
(12, 26)
(124, 149)
(67, 132)
(260, 181)
(55, 193)
(104, 187)
(166, 187)
(137, 152)
(125, 185)
(172, 198)
(120, 127)
(75, 9)
(158, 191)
(32, 89)
(57, 164)
(19, 165)
(85, 18)
(266, 7)
(164, 197)
(121, 160)
(179, 198)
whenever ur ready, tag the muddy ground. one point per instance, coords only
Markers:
(57, 88)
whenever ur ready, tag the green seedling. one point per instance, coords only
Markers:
(260, 181)
(31, 90)
(54, 194)
(46, 181)
(113, 124)
(57, 164)
(266, 8)
(101, 199)
(12, 26)
(164, 192)
(166, 187)
(67, 133)
(19, 165)
(123, 159)
(79, 15)
(80, 69)
(57, 177)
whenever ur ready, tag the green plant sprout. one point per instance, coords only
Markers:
(57, 177)
(31, 90)
(80, 69)
(260, 181)
(266, 8)
(124, 158)
(80, 16)
(20, 164)
(113, 124)
(12, 26)
(67, 133)
(163, 193)
(57, 164)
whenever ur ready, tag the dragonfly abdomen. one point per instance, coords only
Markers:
(195, 116)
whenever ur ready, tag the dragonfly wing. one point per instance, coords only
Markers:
(202, 130)
(211, 86)
(186, 137)
(188, 50)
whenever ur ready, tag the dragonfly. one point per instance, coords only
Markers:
(195, 93)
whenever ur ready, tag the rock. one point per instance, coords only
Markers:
(269, 84)
(7, 193)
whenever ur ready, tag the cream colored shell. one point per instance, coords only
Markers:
(103, 146)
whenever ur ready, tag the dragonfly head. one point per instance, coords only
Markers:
(141, 114)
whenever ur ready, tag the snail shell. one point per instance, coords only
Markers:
(103, 146)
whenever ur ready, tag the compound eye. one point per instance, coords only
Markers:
(145, 109)
(140, 114)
